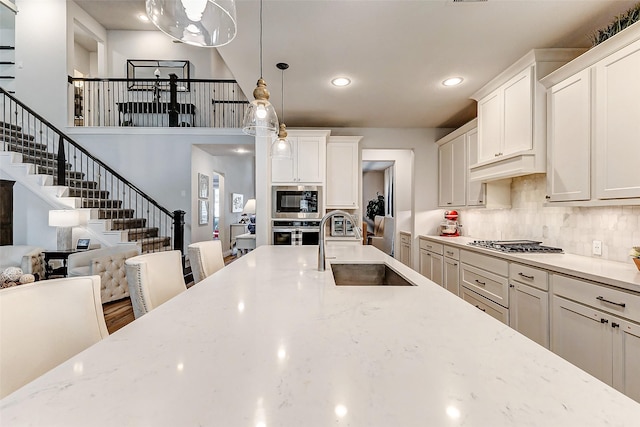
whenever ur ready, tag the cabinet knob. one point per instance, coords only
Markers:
(511, 286)
(547, 197)
(615, 325)
(603, 320)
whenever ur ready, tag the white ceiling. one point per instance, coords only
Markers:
(397, 52)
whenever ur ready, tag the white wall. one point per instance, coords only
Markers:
(81, 59)
(239, 178)
(570, 228)
(123, 45)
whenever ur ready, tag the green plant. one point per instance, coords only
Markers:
(375, 207)
(621, 22)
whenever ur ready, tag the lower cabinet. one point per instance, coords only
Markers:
(603, 344)
(431, 260)
(405, 248)
(451, 270)
(529, 302)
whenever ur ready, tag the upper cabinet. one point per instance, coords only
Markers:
(343, 172)
(307, 162)
(594, 125)
(455, 152)
(512, 117)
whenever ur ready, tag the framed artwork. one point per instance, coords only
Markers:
(203, 186)
(237, 202)
(203, 212)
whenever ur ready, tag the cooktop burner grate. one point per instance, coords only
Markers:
(521, 246)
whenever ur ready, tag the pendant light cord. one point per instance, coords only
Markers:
(261, 39)
(282, 100)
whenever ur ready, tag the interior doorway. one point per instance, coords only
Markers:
(218, 206)
(378, 202)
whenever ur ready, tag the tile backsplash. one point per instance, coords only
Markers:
(571, 228)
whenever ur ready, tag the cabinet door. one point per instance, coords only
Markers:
(451, 276)
(626, 357)
(492, 309)
(311, 160)
(617, 124)
(582, 336)
(490, 126)
(529, 312)
(425, 263)
(569, 143)
(437, 269)
(517, 113)
(445, 175)
(342, 175)
(475, 189)
(283, 170)
(459, 171)
(405, 254)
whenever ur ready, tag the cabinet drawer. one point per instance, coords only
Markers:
(529, 275)
(405, 238)
(431, 246)
(489, 263)
(489, 307)
(451, 252)
(487, 284)
(618, 302)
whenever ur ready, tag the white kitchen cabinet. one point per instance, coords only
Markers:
(485, 305)
(451, 270)
(343, 173)
(454, 188)
(431, 261)
(405, 248)
(476, 190)
(512, 117)
(452, 172)
(306, 165)
(617, 124)
(529, 302)
(569, 139)
(597, 329)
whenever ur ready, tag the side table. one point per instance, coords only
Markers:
(245, 242)
(49, 271)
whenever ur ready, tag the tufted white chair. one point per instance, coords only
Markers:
(44, 324)
(108, 263)
(206, 258)
(154, 279)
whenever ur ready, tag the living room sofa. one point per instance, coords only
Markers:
(28, 258)
(108, 263)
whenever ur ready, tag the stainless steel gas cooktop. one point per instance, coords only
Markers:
(523, 246)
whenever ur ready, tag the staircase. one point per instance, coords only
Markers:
(116, 210)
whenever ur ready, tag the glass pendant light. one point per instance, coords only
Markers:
(260, 117)
(281, 146)
(204, 23)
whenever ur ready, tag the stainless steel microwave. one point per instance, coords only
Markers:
(296, 202)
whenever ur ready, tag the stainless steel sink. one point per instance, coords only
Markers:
(367, 275)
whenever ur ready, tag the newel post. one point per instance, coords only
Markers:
(173, 100)
(61, 164)
(178, 230)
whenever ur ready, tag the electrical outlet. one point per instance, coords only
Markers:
(597, 247)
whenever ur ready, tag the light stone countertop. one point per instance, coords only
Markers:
(619, 274)
(270, 341)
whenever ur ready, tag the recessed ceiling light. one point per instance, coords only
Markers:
(143, 17)
(452, 81)
(340, 81)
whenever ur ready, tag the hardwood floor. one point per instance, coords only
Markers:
(120, 313)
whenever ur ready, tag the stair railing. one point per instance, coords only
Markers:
(88, 178)
(171, 102)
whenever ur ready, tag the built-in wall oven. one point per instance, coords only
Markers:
(295, 232)
(296, 202)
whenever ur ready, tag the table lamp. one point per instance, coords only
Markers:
(65, 220)
(250, 209)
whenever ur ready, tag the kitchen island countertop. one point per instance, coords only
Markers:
(270, 341)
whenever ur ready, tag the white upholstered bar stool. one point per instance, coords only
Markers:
(46, 323)
(153, 279)
(206, 258)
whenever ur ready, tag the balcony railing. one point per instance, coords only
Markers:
(169, 102)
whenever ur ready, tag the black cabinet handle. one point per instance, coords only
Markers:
(479, 308)
(480, 283)
(603, 320)
(615, 325)
(511, 286)
(525, 276)
(620, 304)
